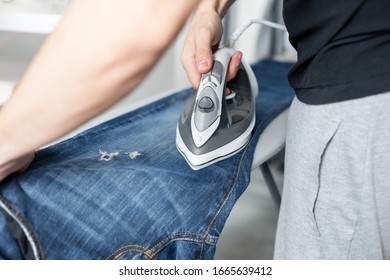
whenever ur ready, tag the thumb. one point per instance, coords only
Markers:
(204, 60)
(204, 54)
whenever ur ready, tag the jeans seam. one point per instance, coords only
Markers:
(130, 250)
(176, 234)
(169, 239)
(238, 171)
(24, 221)
(163, 243)
(227, 196)
(117, 253)
(178, 239)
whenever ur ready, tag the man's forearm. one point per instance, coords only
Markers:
(220, 6)
(100, 51)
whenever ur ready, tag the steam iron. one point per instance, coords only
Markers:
(214, 126)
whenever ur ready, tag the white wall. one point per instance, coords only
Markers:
(17, 49)
(254, 43)
(169, 72)
(247, 43)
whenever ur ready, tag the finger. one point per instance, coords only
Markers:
(234, 65)
(204, 55)
(19, 165)
(188, 60)
(28, 159)
(189, 64)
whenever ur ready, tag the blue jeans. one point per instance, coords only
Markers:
(121, 190)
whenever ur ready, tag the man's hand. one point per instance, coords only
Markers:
(17, 165)
(203, 38)
(98, 53)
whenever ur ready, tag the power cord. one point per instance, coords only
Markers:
(245, 25)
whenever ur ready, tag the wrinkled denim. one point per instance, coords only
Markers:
(143, 203)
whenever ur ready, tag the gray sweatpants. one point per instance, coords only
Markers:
(336, 193)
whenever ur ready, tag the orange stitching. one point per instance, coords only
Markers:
(172, 240)
(149, 252)
(226, 197)
(127, 246)
(129, 250)
(176, 234)
(220, 208)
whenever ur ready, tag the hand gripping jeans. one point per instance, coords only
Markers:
(121, 190)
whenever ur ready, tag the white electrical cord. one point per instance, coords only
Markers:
(241, 29)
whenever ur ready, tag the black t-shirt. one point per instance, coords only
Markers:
(343, 48)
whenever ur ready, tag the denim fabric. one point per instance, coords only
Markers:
(144, 202)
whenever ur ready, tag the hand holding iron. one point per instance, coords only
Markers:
(202, 39)
(213, 125)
